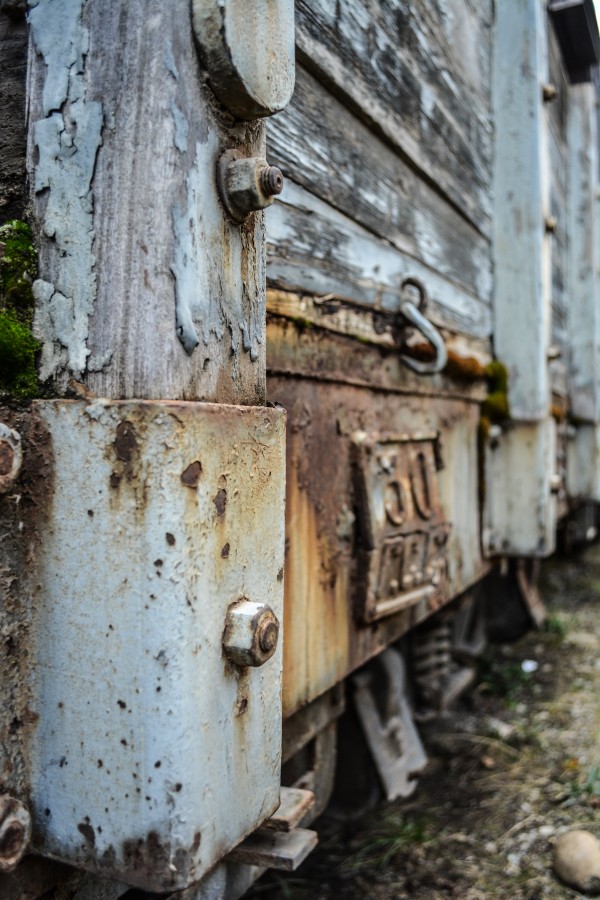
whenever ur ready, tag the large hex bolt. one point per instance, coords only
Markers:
(11, 457)
(246, 184)
(251, 633)
(15, 832)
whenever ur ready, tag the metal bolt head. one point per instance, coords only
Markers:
(251, 633)
(550, 224)
(246, 185)
(549, 93)
(11, 457)
(271, 180)
(15, 832)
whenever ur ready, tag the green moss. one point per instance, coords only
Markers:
(495, 407)
(18, 347)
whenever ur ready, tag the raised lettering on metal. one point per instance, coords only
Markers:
(403, 531)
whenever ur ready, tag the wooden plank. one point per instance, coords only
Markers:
(314, 249)
(276, 849)
(418, 73)
(138, 262)
(295, 803)
(326, 149)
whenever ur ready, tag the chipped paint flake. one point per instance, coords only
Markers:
(170, 63)
(67, 140)
(182, 127)
(209, 291)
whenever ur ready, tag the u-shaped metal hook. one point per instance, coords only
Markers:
(414, 315)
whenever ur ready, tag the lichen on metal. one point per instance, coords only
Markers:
(67, 139)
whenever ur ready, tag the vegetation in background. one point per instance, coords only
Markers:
(18, 346)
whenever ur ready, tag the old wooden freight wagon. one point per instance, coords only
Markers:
(300, 375)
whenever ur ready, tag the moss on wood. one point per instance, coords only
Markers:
(18, 346)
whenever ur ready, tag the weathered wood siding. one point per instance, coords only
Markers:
(146, 289)
(387, 145)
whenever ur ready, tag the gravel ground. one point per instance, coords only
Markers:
(515, 766)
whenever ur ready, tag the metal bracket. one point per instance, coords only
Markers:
(392, 736)
(415, 316)
(249, 53)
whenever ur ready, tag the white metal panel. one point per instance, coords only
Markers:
(583, 450)
(521, 188)
(584, 308)
(583, 463)
(519, 516)
(153, 755)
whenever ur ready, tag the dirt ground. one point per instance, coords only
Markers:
(516, 765)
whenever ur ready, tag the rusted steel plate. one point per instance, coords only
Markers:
(153, 755)
(403, 531)
(325, 635)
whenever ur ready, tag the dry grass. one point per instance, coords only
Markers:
(484, 816)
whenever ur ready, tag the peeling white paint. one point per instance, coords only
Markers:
(210, 295)
(67, 140)
(192, 226)
(170, 61)
(182, 127)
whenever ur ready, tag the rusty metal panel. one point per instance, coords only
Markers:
(326, 633)
(403, 553)
(153, 754)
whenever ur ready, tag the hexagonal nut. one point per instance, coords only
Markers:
(11, 457)
(251, 633)
(15, 832)
(247, 185)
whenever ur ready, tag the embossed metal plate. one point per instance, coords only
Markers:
(403, 530)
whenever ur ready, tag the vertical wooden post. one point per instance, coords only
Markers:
(145, 288)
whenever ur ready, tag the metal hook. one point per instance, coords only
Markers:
(414, 315)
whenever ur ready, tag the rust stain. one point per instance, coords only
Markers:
(23, 520)
(7, 455)
(125, 444)
(324, 639)
(220, 501)
(190, 477)
(88, 832)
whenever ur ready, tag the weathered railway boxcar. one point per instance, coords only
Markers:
(300, 375)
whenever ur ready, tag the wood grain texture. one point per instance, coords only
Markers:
(314, 249)
(322, 146)
(124, 137)
(13, 67)
(419, 73)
